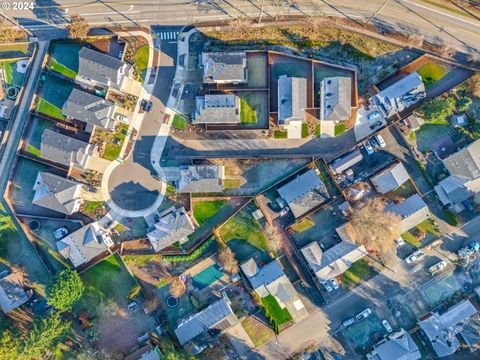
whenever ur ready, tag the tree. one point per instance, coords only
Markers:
(45, 335)
(374, 227)
(66, 289)
(6, 223)
(463, 104)
(177, 287)
(473, 85)
(9, 346)
(274, 240)
(438, 110)
(227, 259)
(136, 289)
(78, 27)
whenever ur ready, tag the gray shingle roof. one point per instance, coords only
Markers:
(292, 99)
(224, 67)
(200, 179)
(452, 190)
(217, 109)
(102, 68)
(59, 148)
(339, 165)
(304, 192)
(412, 211)
(400, 347)
(12, 294)
(89, 108)
(204, 320)
(390, 178)
(336, 98)
(56, 193)
(466, 162)
(173, 225)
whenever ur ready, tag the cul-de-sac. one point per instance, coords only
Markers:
(241, 179)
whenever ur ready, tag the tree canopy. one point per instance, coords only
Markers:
(227, 259)
(66, 289)
(437, 111)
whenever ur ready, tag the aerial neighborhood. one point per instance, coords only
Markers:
(274, 185)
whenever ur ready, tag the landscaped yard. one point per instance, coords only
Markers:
(366, 332)
(426, 230)
(253, 109)
(179, 122)
(359, 271)
(12, 76)
(114, 142)
(441, 289)
(340, 129)
(91, 206)
(247, 113)
(64, 58)
(204, 210)
(257, 70)
(431, 73)
(34, 134)
(62, 69)
(52, 95)
(258, 332)
(428, 134)
(141, 61)
(280, 134)
(292, 69)
(275, 313)
(403, 191)
(47, 108)
(304, 224)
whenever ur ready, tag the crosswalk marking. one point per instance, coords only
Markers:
(168, 35)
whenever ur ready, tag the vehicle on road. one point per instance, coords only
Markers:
(363, 315)
(387, 326)
(380, 140)
(415, 256)
(375, 125)
(374, 115)
(437, 267)
(346, 323)
(146, 105)
(327, 286)
(334, 283)
(368, 148)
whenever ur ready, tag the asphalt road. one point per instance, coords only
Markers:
(413, 16)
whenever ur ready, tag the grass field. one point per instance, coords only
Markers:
(359, 271)
(274, 312)
(258, 332)
(415, 236)
(47, 108)
(247, 113)
(115, 143)
(340, 129)
(204, 210)
(253, 108)
(62, 69)
(179, 122)
(431, 73)
(90, 206)
(280, 134)
(304, 224)
(141, 61)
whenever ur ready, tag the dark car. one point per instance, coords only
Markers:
(146, 105)
(375, 125)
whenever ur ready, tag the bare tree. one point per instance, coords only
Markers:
(416, 40)
(78, 27)
(177, 287)
(227, 259)
(274, 240)
(8, 33)
(473, 85)
(374, 227)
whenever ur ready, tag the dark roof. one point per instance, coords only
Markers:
(224, 67)
(56, 193)
(99, 67)
(89, 108)
(452, 190)
(58, 148)
(12, 294)
(466, 162)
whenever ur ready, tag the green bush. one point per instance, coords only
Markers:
(463, 104)
(437, 111)
(194, 255)
(65, 290)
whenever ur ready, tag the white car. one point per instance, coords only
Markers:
(380, 140)
(364, 314)
(437, 267)
(387, 326)
(285, 210)
(368, 148)
(400, 241)
(334, 283)
(415, 256)
(327, 286)
(122, 118)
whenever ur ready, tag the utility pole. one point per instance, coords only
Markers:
(261, 12)
(376, 12)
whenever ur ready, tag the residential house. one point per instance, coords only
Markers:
(85, 244)
(200, 179)
(172, 225)
(343, 163)
(57, 193)
(414, 122)
(91, 109)
(399, 346)
(442, 330)
(12, 293)
(271, 280)
(98, 69)
(146, 352)
(224, 67)
(390, 178)
(217, 109)
(196, 332)
(412, 211)
(400, 95)
(336, 260)
(65, 150)
(471, 333)
(292, 102)
(335, 102)
(464, 180)
(303, 193)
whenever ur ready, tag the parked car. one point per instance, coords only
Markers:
(374, 115)
(400, 241)
(60, 233)
(374, 142)
(122, 118)
(375, 125)
(380, 140)
(148, 106)
(368, 148)
(346, 323)
(284, 211)
(334, 283)
(387, 326)
(415, 256)
(363, 315)
(327, 286)
(437, 267)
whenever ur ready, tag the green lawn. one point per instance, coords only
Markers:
(112, 150)
(244, 227)
(247, 114)
(340, 129)
(304, 224)
(179, 122)
(204, 210)
(141, 61)
(431, 73)
(90, 206)
(415, 236)
(12, 76)
(318, 130)
(108, 280)
(62, 69)
(275, 313)
(403, 191)
(280, 134)
(47, 108)
(359, 271)
(33, 150)
(304, 130)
